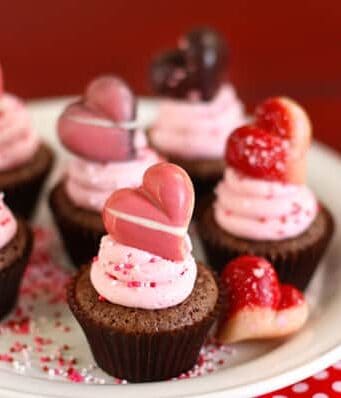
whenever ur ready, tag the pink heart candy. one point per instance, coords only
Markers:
(155, 216)
(111, 96)
(93, 141)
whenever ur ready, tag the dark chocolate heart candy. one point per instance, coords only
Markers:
(196, 68)
(169, 75)
(206, 58)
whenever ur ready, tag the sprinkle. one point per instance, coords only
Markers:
(74, 375)
(134, 284)
(6, 358)
(283, 219)
(152, 284)
(101, 298)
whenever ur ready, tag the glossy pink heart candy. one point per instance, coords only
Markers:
(112, 96)
(101, 144)
(155, 216)
(91, 128)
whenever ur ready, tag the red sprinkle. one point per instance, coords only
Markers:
(152, 284)
(134, 284)
(74, 375)
(6, 358)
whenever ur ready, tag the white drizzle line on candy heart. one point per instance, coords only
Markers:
(95, 121)
(151, 224)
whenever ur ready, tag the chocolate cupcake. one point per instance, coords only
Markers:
(199, 109)
(262, 205)
(144, 304)
(15, 248)
(25, 161)
(110, 153)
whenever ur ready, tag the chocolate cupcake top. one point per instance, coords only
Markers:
(263, 195)
(145, 261)
(8, 224)
(110, 148)
(198, 108)
(18, 140)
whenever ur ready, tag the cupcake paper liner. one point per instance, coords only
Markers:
(80, 241)
(143, 357)
(22, 196)
(11, 276)
(295, 260)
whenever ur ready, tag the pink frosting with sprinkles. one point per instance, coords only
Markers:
(197, 129)
(136, 278)
(8, 224)
(89, 183)
(263, 210)
(18, 140)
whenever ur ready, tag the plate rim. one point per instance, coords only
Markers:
(314, 364)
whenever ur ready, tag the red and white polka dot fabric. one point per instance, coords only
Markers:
(326, 384)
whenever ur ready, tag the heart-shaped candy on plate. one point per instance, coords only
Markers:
(258, 306)
(275, 147)
(155, 216)
(97, 128)
(193, 70)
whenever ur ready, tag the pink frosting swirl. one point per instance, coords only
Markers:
(18, 140)
(135, 278)
(8, 224)
(263, 210)
(89, 184)
(197, 129)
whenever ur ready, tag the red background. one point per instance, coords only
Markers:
(288, 47)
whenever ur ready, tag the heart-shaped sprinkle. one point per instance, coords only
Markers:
(258, 306)
(275, 147)
(196, 66)
(97, 128)
(155, 216)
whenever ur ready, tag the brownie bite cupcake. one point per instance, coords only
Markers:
(109, 152)
(15, 248)
(25, 161)
(144, 303)
(262, 204)
(198, 108)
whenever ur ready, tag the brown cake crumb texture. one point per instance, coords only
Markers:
(145, 345)
(81, 229)
(13, 260)
(295, 259)
(22, 185)
(194, 309)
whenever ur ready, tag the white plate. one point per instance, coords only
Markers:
(251, 369)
